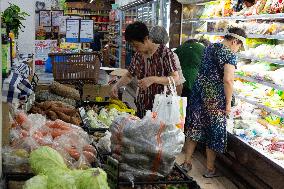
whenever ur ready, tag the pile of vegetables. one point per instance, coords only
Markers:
(29, 132)
(57, 110)
(103, 117)
(52, 172)
(58, 92)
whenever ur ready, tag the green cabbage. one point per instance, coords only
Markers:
(94, 178)
(61, 180)
(46, 160)
(37, 182)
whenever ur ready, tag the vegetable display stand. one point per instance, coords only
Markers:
(71, 67)
(177, 178)
(87, 123)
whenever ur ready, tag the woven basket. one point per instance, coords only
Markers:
(68, 68)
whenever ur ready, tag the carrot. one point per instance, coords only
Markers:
(90, 157)
(21, 118)
(58, 124)
(73, 153)
(57, 132)
(90, 148)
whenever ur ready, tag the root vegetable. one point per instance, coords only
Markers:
(65, 91)
(52, 115)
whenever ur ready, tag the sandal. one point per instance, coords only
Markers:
(186, 166)
(211, 174)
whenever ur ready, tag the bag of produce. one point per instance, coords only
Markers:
(55, 174)
(75, 148)
(146, 148)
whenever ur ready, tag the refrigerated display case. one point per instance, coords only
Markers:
(256, 128)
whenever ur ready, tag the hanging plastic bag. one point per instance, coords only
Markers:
(171, 108)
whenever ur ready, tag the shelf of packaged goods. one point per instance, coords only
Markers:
(279, 87)
(113, 33)
(114, 45)
(79, 14)
(277, 16)
(101, 22)
(104, 31)
(254, 102)
(260, 36)
(270, 60)
(113, 57)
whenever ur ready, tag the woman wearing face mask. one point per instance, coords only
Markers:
(211, 98)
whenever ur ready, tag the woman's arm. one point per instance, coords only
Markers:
(148, 81)
(164, 80)
(229, 71)
(123, 81)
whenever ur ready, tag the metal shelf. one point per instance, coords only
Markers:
(276, 112)
(253, 17)
(260, 82)
(274, 61)
(279, 37)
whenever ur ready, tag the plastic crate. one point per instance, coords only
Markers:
(112, 169)
(76, 66)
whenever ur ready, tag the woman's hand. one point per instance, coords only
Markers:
(114, 92)
(228, 109)
(146, 82)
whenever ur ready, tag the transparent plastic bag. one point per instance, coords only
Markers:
(146, 149)
(104, 143)
(15, 160)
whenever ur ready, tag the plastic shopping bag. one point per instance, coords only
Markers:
(170, 108)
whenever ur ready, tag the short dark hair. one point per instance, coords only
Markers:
(237, 31)
(136, 31)
(250, 1)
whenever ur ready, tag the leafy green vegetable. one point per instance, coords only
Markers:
(61, 180)
(13, 18)
(94, 178)
(37, 182)
(46, 160)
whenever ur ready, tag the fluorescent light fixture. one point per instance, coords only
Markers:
(91, 1)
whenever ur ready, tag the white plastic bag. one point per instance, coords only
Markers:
(170, 108)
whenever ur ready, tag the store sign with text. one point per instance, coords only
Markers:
(43, 47)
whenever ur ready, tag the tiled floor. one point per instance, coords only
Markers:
(198, 169)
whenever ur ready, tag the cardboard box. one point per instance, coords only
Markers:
(93, 91)
(6, 124)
